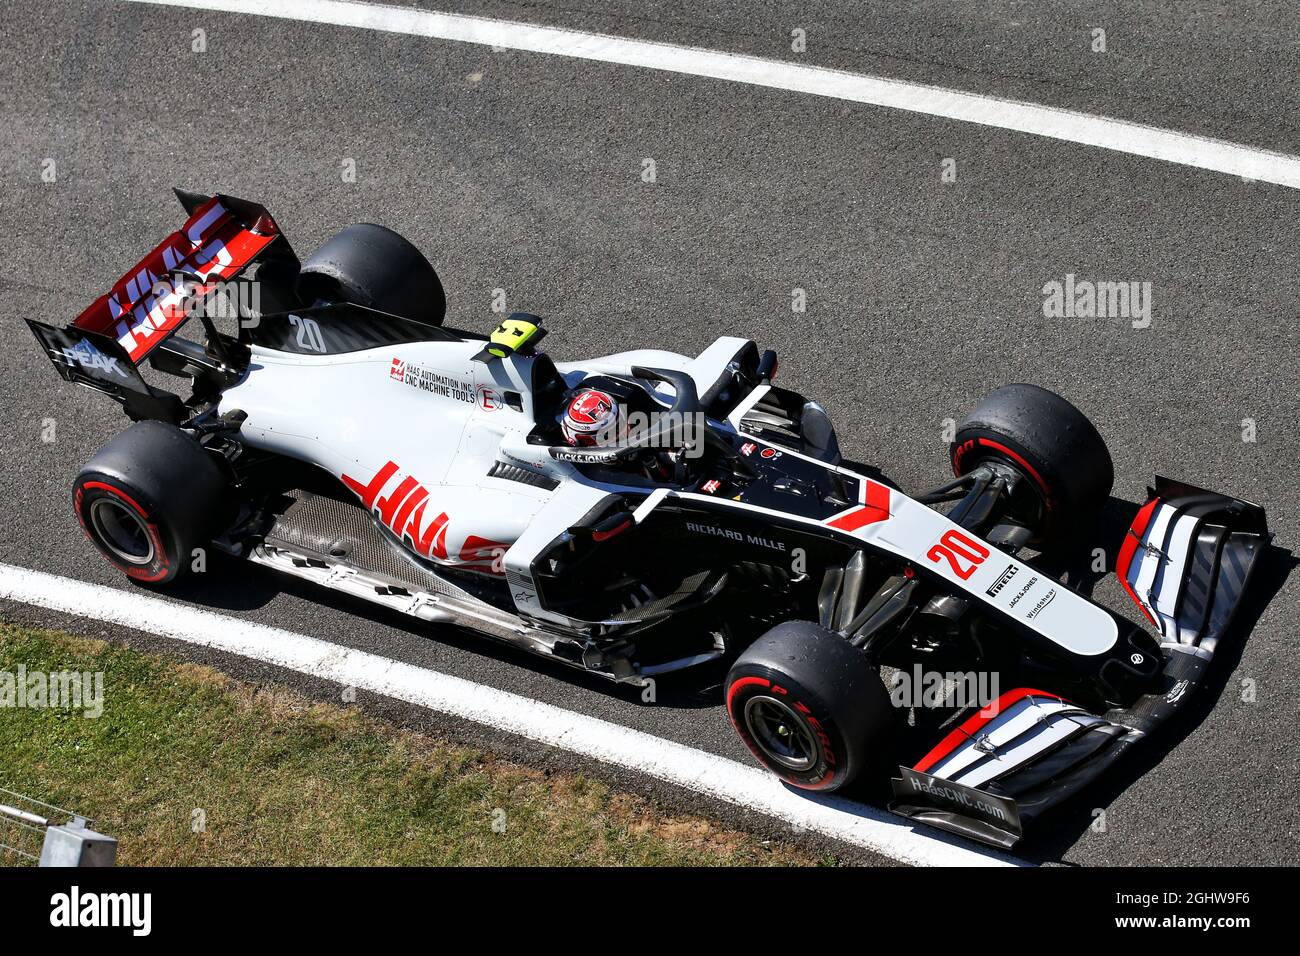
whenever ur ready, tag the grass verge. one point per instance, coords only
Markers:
(186, 766)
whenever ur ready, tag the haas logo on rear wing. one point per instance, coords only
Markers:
(218, 241)
(106, 343)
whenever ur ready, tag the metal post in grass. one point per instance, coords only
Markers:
(30, 834)
(75, 844)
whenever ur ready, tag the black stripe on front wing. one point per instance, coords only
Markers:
(1194, 606)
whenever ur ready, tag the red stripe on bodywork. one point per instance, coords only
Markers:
(476, 549)
(972, 724)
(1141, 521)
(387, 507)
(432, 542)
(403, 513)
(606, 535)
(370, 491)
(875, 508)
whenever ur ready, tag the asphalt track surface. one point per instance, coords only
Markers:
(523, 172)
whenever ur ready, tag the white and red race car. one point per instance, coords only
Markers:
(639, 513)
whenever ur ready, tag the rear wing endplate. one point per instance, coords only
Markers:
(100, 362)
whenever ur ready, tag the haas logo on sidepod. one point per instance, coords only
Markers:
(403, 512)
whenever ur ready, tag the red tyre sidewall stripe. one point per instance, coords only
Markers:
(140, 574)
(748, 740)
(1010, 453)
(744, 682)
(119, 493)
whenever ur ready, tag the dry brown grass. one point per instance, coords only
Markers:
(282, 779)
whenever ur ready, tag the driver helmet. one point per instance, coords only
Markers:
(590, 418)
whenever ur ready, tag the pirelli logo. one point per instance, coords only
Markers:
(1001, 582)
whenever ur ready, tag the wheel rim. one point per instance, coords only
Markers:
(122, 531)
(780, 733)
(1029, 504)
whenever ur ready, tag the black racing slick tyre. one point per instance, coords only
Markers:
(149, 498)
(1050, 442)
(375, 267)
(809, 706)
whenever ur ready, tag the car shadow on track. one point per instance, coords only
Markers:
(231, 584)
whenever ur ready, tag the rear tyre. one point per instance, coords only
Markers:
(373, 266)
(1064, 459)
(809, 706)
(148, 498)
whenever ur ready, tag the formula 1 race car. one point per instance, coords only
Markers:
(640, 513)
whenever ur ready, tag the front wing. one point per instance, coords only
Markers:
(1186, 561)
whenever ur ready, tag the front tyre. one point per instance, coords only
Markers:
(1065, 462)
(148, 499)
(809, 706)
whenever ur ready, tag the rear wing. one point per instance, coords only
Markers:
(104, 346)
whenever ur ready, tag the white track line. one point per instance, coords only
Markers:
(683, 766)
(1074, 127)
